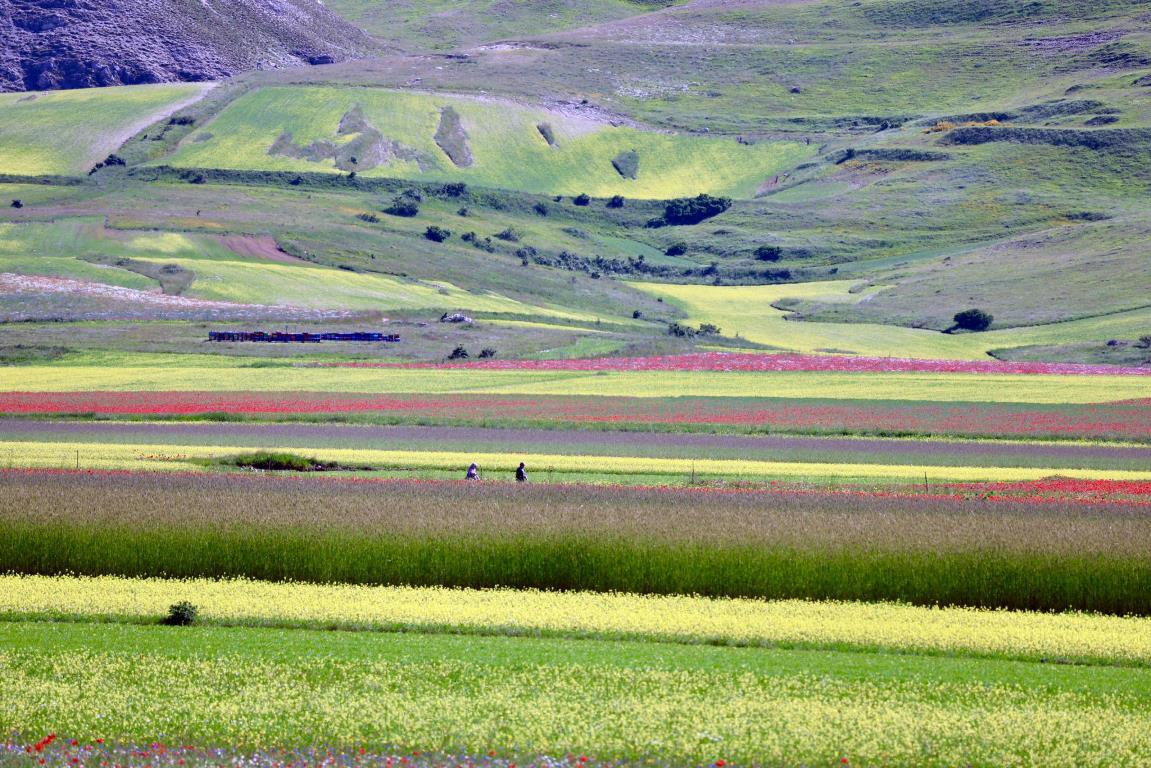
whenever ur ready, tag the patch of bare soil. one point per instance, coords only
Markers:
(258, 247)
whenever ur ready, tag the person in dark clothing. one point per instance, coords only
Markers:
(521, 474)
(473, 472)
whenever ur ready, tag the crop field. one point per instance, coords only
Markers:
(156, 374)
(506, 147)
(1038, 548)
(67, 132)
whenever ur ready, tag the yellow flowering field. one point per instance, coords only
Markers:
(171, 457)
(147, 373)
(684, 619)
(523, 697)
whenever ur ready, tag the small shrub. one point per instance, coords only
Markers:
(708, 329)
(181, 614)
(693, 210)
(675, 249)
(637, 315)
(1144, 342)
(616, 201)
(464, 212)
(459, 353)
(768, 253)
(487, 353)
(371, 218)
(582, 199)
(681, 331)
(541, 209)
(454, 189)
(973, 320)
(508, 235)
(404, 207)
(468, 237)
(17, 203)
(437, 234)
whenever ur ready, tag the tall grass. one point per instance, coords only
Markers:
(1048, 557)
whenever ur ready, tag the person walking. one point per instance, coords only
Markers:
(521, 474)
(473, 472)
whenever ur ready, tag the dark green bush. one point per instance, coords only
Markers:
(616, 201)
(371, 218)
(437, 234)
(181, 614)
(453, 189)
(17, 204)
(508, 235)
(459, 353)
(487, 353)
(541, 209)
(973, 320)
(693, 210)
(676, 249)
(404, 207)
(582, 199)
(768, 253)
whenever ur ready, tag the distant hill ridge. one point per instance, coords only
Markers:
(52, 44)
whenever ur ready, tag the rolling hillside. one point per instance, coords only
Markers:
(926, 157)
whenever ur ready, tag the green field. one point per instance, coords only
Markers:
(67, 132)
(624, 701)
(508, 149)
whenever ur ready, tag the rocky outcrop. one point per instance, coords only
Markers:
(51, 44)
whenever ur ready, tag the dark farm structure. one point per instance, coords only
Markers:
(278, 337)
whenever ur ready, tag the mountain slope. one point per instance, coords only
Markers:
(50, 44)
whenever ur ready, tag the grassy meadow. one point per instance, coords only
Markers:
(67, 132)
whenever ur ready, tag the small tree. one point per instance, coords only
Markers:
(973, 320)
(437, 234)
(616, 201)
(181, 614)
(582, 199)
(693, 210)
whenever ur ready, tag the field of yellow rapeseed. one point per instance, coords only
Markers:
(165, 457)
(684, 619)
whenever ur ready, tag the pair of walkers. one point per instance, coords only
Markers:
(474, 473)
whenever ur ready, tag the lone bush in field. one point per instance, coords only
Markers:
(617, 201)
(181, 614)
(582, 199)
(487, 353)
(973, 320)
(17, 204)
(404, 207)
(676, 249)
(459, 353)
(693, 210)
(1144, 342)
(437, 234)
(768, 253)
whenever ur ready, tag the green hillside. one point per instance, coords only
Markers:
(508, 145)
(924, 157)
(67, 132)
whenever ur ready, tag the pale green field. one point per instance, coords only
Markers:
(508, 150)
(57, 249)
(747, 311)
(67, 132)
(203, 373)
(552, 467)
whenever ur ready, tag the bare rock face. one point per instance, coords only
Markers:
(51, 44)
